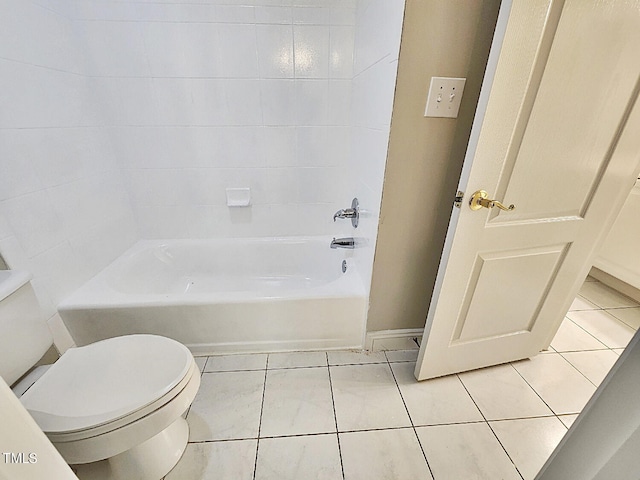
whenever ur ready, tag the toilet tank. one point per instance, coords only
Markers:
(24, 334)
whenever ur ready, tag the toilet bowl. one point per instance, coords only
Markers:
(113, 409)
(118, 402)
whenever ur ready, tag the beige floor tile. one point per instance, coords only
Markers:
(568, 419)
(582, 304)
(500, 393)
(603, 326)
(560, 385)
(630, 316)
(201, 361)
(570, 338)
(227, 406)
(367, 397)
(297, 458)
(355, 358)
(529, 441)
(383, 455)
(231, 363)
(212, 460)
(297, 359)
(404, 343)
(594, 365)
(437, 401)
(402, 355)
(465, 451)
(297, 401)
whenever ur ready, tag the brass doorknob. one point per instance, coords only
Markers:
(481, 199)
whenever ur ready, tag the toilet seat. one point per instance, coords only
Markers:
(99, 383)
(97, 400)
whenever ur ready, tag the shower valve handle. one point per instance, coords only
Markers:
(353, 213)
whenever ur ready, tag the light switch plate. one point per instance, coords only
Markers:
(444, 98)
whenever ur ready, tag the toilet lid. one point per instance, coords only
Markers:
(96, 384)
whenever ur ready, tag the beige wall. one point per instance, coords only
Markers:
(448, 38)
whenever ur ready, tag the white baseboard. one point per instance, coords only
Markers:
(615, 283)
(401, 339)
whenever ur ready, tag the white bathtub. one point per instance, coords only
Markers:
(227, 295)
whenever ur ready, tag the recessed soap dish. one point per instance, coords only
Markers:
(238, 197)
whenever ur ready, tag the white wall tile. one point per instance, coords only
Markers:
(344, 14)
(283, 185)
(341, 52)
(175, 12)
(275, 51)
(339, 102)
(125, 101)
(17, 173)
(186, 99)
(100, 10)
(237, 51)
(311, 51)
(274, 14)
(96, 247)
(278, 102)
(141, 147)
(235, 14)
(312, 99)
(312, 146)
(378, 29)
(34, 221)
(319, 185)
(181, 49)
(338, 150)
(52, 46)
(38, 97)
(377, 36)
(69, 183)
(5, 229)
(376, 82)
(278, 146)
(243, 102)
(113, 48)
(311, 15)
(59, 269)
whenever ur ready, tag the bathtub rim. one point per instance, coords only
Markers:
(97, 293)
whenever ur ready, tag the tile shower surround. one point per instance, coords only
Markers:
(127, 120)
(353, 415)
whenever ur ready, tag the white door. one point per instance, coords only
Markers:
(557, 134)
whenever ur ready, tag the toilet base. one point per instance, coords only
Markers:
(151, 460)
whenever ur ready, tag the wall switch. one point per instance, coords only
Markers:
(444, 97)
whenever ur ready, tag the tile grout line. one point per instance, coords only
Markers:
(608, 310)
(491, 428)
(557, 415)
(586, 331)
(580, 371)
(415, 432)
(191, 404)
(535, 391)
(335, 417)
(264, 388)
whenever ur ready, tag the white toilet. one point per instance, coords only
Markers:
(113, 409)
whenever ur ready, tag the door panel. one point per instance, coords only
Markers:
(559, 140)
(488, 307)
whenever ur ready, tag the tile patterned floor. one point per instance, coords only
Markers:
(353, 415)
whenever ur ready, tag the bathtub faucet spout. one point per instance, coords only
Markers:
(343, 243)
